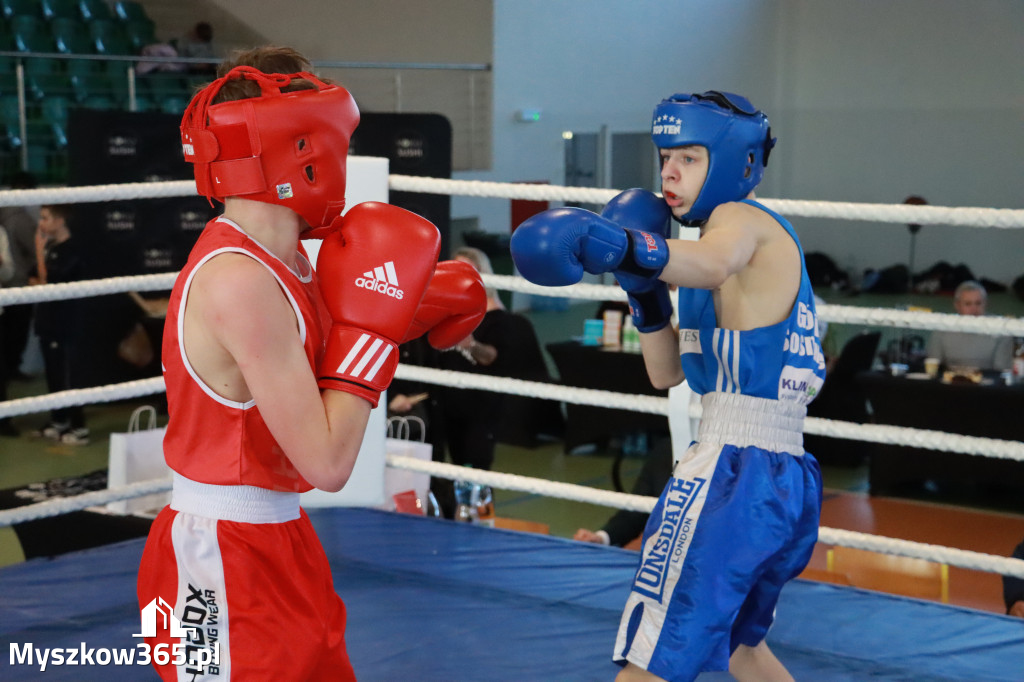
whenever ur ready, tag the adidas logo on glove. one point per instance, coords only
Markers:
(383, 279)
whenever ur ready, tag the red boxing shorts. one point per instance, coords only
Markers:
(245, 576)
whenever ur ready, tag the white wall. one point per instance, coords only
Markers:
(887, 99)
(585, 63)
(378, 31)
(442, 32)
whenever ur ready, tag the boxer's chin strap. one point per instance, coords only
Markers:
(335, 224)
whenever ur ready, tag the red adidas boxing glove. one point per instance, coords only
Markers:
(453, 306)
(373, 273)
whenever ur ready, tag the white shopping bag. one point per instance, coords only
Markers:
(135, 456)
(365, 487)
(399, 481)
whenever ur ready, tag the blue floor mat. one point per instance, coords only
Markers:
(434, 600)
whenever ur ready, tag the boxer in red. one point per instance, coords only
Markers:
(272, 369)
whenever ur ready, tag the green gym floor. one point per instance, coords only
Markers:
(28, 459)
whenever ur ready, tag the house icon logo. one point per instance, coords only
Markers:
(159, 610)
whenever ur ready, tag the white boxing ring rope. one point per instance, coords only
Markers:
(874, 433)
(905, 319)
(885, 213)
(972, 217)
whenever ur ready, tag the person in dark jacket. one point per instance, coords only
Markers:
(625, 526)
(57, 323)
(1013, 588)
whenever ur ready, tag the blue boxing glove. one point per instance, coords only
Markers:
(555, 247)
(648, 219)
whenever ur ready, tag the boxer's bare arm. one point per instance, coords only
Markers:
(661, 357)
(747, 259)
(726, 246)
(242, 338)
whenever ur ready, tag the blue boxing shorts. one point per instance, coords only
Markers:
(736, 521)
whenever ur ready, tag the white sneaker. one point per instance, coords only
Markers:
(79, 436)
(52, 431)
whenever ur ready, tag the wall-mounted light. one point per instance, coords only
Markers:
(528, 115)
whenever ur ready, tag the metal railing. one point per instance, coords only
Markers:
(132, 63)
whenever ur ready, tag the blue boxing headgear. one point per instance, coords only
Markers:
(737, 136)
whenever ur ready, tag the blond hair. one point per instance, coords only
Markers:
(480, 261)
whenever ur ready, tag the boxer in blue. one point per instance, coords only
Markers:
(739, 516)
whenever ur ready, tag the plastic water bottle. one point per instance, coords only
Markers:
(484, 504)
(465, 509)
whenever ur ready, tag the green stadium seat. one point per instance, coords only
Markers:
(93, 10)
(161, 84)
(8, 76)
(45, 78)
(127, 10)
(99, 102)
(41, 134)
(82, 67)
(14, 8)
(109, 38)
(174, 105)
(25, 29)
(55, 118)
(10, 142)
(55, 110)
(119, 87)
(60, 9)
(140, 33)
(146, 103)
(116, 69)
(8, 65)
(91, 84)
(90, 77)
(38, 162)
(9, 114)
(71, 36)
(43, 75)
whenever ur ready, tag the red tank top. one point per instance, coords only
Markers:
(211, 439)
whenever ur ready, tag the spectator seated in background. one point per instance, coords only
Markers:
(162, 50)
(965, 349)
(823, 272)
(505, 345)
(466, 421)
(416, 399)
(198, 44)
(625, 526)
(1013, 588)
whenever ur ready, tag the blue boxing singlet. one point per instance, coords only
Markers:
(739, 516)
(783, 361)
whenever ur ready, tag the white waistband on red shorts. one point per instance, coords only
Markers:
(743, 420)
(241, 503)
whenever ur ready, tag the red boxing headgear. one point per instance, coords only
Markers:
(285, 148)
